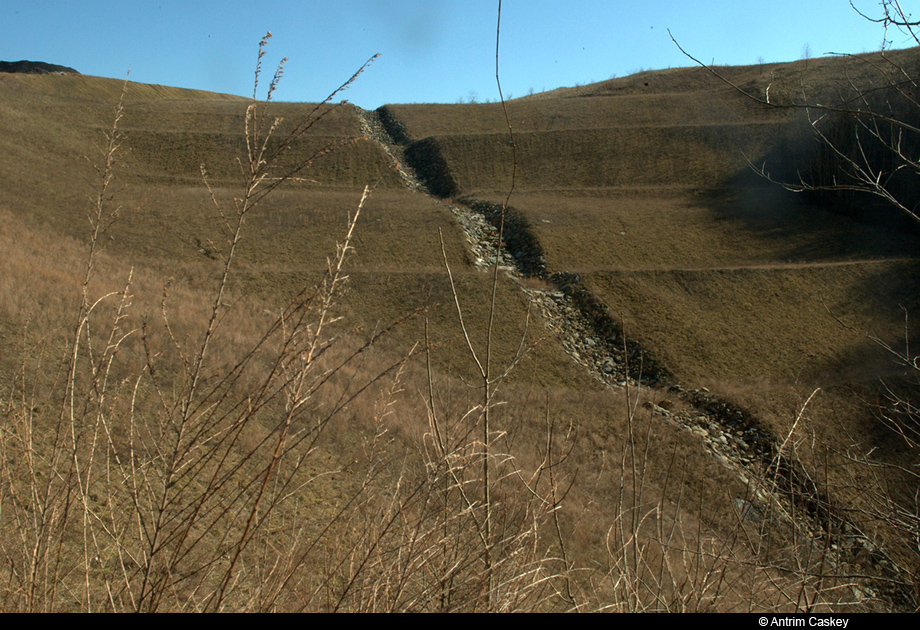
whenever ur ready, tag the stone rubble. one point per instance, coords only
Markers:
(481, 235)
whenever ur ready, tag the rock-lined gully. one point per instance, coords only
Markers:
(778, 484)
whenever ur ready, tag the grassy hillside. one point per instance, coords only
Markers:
(642, 186)
(651, 172)
(272, 453)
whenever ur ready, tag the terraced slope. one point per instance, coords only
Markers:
(168, 223)
(630, 180)
(638, 235)
(638, 201)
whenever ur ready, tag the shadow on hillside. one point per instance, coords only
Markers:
(836, 227)
(816, 226)
(884, 304)
(803, 229)
(866, 418)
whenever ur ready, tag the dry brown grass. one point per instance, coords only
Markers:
(335, 501)
(663, 228)
(170, 462)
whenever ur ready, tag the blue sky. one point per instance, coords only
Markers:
(431, 50)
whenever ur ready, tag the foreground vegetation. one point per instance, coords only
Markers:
(225, 393)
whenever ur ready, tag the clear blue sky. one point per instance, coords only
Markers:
(431, 50)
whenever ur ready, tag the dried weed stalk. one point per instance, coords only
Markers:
(166, 478)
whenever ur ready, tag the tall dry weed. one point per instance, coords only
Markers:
(177, 464)
(151, 484)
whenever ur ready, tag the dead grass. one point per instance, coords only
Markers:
(599, 504)
(661, 229)
(737, 323)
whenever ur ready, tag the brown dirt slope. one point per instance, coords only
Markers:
(643, 186)
(640, 186)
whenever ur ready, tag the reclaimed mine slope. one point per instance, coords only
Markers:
(53, 123)
(634, 201)
(629, 211)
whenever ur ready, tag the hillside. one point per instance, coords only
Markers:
(669, 306)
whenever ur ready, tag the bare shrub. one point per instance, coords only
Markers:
(178, 458)
(866, 131)
(166, 459)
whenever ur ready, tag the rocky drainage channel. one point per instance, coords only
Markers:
(595, 341)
